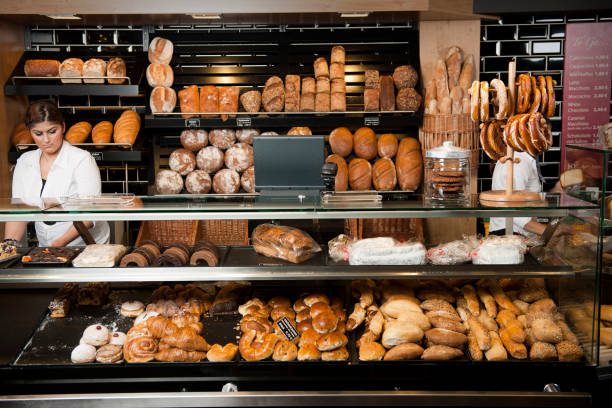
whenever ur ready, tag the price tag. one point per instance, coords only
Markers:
(98, 156)
(371, 121)
(192, 123)
(287, 328)
(243, 122)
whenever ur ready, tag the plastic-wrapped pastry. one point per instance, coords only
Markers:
(386, 251)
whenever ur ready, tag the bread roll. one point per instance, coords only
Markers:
(371, 351)
(222, 138)
(198, 182)
(226, 181)
(497, 351)
(408, 99)
(400, 332)
(210, 159)
(409, 164)
(160, 75)
(320, 68)
(78, 132)
(127, 127)
(300, 131)
(446, 323)
(406, 351)
(387, 93)
(273, 96)
(116, 68)
(364, 143)
(322, 102)
(360, 174)
(41, 68)
(341, 141)
(94, 67)
(190, 101)
(209, 99)
(251, 101)
(398, 306)
(387, 145)
(439, 352)
(160, 51)
(547, 331)
(21, 135)
(414, 317)
(168, 182)
(516, 350)
(71, 68)
(405, 76)
(162, 100)
(569, 352)
(182, 161)
(338, 54)
(228, 100)
(102, 132)
(341, 179)
(245, 135)
(542, 351)
(371, 99)
(383, 174)
(239, 157)
(194, 139)
(446, 337)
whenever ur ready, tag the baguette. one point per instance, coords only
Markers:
(488, 301)
(441, 81)
(467, 73)
(453, 65)
(474, 348)
(501, 298)
(472, 301)
(482, 336)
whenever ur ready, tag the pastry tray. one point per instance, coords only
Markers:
(76, 251)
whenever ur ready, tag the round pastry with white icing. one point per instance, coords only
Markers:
(239, 157)
(168, 182)
(83, 353)
(182, 161)
(96, 335)
(132, 308)
(226, 181)
(198, 182)
(210, 159)
(117, 338)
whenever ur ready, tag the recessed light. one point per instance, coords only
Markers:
(63, 17)
(206, 16)
(355, 14)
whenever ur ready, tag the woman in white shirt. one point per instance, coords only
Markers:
(56, 169)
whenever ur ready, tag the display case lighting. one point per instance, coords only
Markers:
(63, 17)
(206, 16)
(355, 14)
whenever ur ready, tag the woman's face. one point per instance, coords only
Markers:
(48, 136)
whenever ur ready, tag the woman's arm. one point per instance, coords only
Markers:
(70, 235)
(535, 227)
(15, 230)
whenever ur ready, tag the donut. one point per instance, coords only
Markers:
(168, 182)
(134, 259)
(550, 90)
(222, 138)
(239, 157)
(132, 308)
(543, 94)
(144, 316)
(83, 353)
(194, 139)
(96, 335)
(204, 255)
(167, 260)
(198, 182)
(226, 181)
(152, 250)
(184, 248)
(109, 353)
(537, 96)
(117, 338)
(182, 161)
(495, 138)
(475, 100)
(484, 142)
(247, 180)
(209, 159)
(536, 131)
(500, 102)
(245, 135)
(484, 101)
(150, 242)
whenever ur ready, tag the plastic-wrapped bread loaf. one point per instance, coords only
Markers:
(284, 242)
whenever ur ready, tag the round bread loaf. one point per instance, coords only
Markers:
(360, 174)
(222, 138)
(168, 182)
(341, 141)
(341, 180)
(92, 69)
(162, 100)
(239, 157)
(160, 75)
(408, 99)
(160, 51)
(245, 135)
(387, 145)
(364, 143)
(21, 135)
(405, 76)
(251, 101)
(226, 181)
(209, 159)
(194, 139)
(300, 131)
(409, 164)
(198, 182)
(116, 68)
(383, 174)
(247, 180)
(182, 161)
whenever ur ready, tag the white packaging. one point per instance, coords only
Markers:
(386, 251)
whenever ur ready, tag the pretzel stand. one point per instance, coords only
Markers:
(509, 197)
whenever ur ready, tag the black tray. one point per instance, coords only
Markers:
(75, 250)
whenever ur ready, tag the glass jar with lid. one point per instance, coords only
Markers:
(447, 173)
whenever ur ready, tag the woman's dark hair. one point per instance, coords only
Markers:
(43, 111)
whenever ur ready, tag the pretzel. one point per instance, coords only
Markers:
(544, 94)
(495, 140)
(484, 142)
(516, 135)
(537, 96)
(508, 138)
(538, 138)
(550, 111)
(524, 93)
(500, 102)
(484, 101)
(548, 135)
(475, 100)
(526, 135)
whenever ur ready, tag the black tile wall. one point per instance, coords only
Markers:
(536, 43)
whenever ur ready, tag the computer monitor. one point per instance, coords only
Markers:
(288, 162)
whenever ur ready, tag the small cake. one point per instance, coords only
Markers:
(117, 338)
(96, 335)
(194, 139)
(210, 159)
(83, 353)
(109, 353)
(182, 161)
(226, 181)
(168, 182)
(198, 182)
(239, 157)
(132, 308)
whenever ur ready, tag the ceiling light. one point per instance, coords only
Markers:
(355, 14)
(63, 17)
(206, 16)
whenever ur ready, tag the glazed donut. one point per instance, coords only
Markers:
(524, 136)
(257, 323)
(538, 137)
(117, 338)
(280, 312)
(309, 352)
(495, 138)
(537, 96)
(96, 335)
(500, 102)
(475, 100)
(132, 308)
(139, 349)
(524, 93)
(218, 353)
(550, 90)
(484, 101)
(314, 298)
(284, 351)
(263, 350)
(134, 259)
(543, 94)
(488, 151)
(508, 139)
(279, 301)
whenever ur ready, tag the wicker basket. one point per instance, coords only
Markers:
(460, 129)
(402, 229)
(168, 232)
(224, 232)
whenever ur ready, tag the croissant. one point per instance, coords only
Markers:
(78, 132)
(163, 346)
(176, 354)
(139, 349)
(187, 339)
(184, 319)
(222, 353)
(193, 306)
(160, 326)
(102, 132)
(264, 348)
(127, 127)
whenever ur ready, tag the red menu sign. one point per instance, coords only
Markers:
(586, 92)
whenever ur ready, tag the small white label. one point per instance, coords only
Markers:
(371, 121)
(243, 122)
(98, 156)
(192, 123)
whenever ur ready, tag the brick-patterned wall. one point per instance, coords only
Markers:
(536, 43)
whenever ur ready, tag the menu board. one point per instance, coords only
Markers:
(586, 93)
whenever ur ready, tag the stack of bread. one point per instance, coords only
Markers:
(160, 76)
(221, 160)
(448, 91)
(75, 71)
(313, 329)
(384, 174)
(124, 131)
(379, 91)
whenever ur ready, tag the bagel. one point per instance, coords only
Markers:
(484, 101)
(260, 351)
(500, 102)
(475, 100)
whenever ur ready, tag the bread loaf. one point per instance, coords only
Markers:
(387, 145)
(116, 68)
(322, 102)
(383, 174)
(308, 85)
(228, 100)
(408, 99)
(341, 180)
(372, 80)
(198, 182)
(94, 67)
(273, 96)
(222, 138)
(292, 93)
(71, 68)
(441, 80)
(405, 76)
(160, 75)
(338, 54)
(336, 71)
(454, 56)
(364, 143)
(194, 139)
(182, 161)
(338, 86)
(160, 51)
(387, 93)
(168, 182)
(41, 68)
(467, 74)
(239, 157)
(338, 102)
(21, 135)
(341, 141)
(323, 85)
(162, 100)
(320, 68)
(300, 131)
(360, 174)
(371, 99)
(409, 164)
(102, 132)
(209, 99)
(226, 181)
(251, 101)
(245, 135)
(209, 159)
(78, 132)
(247, 180)
(190, 101)
(127, 127)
